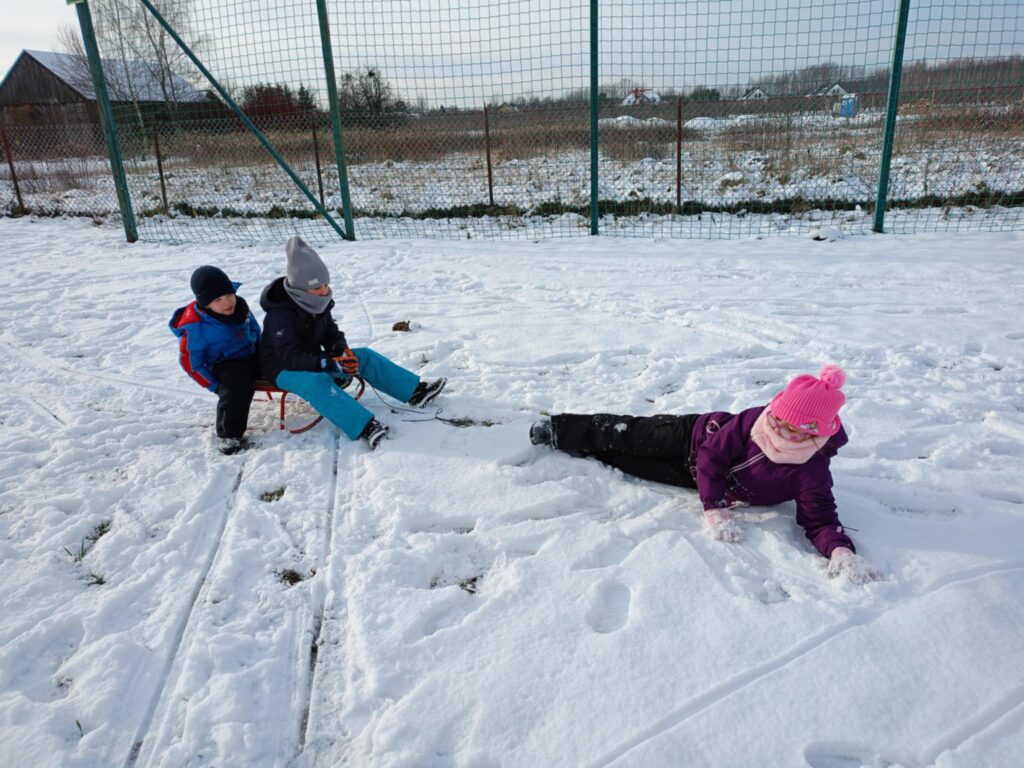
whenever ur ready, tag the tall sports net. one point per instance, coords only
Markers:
(474, 119)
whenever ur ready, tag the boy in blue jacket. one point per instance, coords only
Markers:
(303, 351)
(218, 339)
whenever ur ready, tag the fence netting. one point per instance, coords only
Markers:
(472, 118)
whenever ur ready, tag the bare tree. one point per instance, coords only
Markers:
(366, 90)
(137, 51)
(69, 41)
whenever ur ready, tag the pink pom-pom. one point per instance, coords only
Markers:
(832, 376)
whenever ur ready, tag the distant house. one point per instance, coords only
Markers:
(506, 107)
(641, 96)
(45, 88)
(831, 89)
(755, 94)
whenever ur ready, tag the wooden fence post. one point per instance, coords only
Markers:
(679, 154)
(10, 164)
(490, 173)
(160, 168)
(316, 155)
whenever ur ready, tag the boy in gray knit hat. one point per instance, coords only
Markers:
(303, 351)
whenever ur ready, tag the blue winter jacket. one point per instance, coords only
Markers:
(205, 340)
(731, 469)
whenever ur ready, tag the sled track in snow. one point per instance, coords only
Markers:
(738, 682)
(181, 638)
(321, 602)
(118, 381)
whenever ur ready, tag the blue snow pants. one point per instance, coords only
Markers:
(319, 390)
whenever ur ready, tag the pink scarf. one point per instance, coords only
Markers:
(782, 451)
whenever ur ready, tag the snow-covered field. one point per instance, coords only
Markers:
(464, 599)
(737, 161)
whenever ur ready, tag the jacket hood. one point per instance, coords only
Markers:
(837, 441)
(183, 316)
(274, 296)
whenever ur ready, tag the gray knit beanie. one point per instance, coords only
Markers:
(305, 267)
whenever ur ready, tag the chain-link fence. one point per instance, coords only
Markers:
(475, 118)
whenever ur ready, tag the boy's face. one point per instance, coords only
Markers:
(320, 290)
(223, 305)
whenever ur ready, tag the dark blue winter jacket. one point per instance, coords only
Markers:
(294, 339)
(206, 339)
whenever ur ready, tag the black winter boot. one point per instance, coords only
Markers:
(541, 433)
(229, 446)
(426, 391)
(373, 433)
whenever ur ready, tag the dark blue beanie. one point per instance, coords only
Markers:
(209, 284)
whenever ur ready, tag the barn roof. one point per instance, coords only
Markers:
(144, 77)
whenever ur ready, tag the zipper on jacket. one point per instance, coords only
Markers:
(747, 463)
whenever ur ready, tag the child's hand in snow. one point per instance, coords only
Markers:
(857, 569)
(721, 526)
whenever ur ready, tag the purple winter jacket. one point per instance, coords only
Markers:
(730, 468)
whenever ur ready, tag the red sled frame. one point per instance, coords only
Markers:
(269, 389)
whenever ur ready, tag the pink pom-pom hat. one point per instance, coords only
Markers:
(812, 404)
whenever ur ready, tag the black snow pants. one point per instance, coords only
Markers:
(651, 447)
(236, 385)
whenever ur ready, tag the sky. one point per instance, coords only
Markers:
(511, 49)
(32, 26)
(460, 598)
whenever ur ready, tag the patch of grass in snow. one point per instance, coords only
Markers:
(469, 585)
(78, 555)
(465, 421)
(983, 198)
(290, 577)
(95, 579)
(274, 495)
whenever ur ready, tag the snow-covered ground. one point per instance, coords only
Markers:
(464, 599)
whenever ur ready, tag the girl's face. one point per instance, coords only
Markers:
(787, 431)
(223, 305)
(320, 290)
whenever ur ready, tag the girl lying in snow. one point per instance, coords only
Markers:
(764, 455)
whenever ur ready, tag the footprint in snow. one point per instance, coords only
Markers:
(446, 618)
(610, 553)
(610, 608)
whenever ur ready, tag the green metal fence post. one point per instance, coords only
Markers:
(594, 201)
(881, 200)
(99, 82)
(233, 105)
(332, 98)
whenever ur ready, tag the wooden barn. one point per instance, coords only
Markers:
(52, 89)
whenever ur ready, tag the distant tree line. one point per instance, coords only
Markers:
(951, 75)
(364, 96)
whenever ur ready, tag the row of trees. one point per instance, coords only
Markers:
(950, 75)
(363, 93)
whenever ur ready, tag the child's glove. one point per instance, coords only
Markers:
(721, 526)
(349, 362)
(857, 569)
